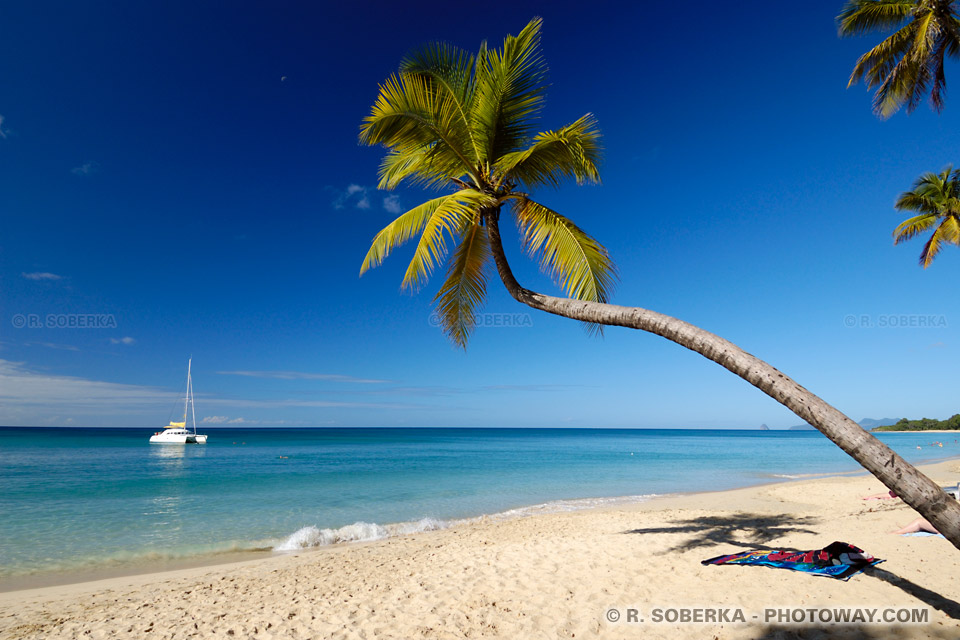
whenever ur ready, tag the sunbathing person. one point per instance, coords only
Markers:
(920, 524)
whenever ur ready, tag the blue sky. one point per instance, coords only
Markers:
(190, 175)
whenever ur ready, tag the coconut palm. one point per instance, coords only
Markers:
(463, 124)
(936, 199)
(909, 63)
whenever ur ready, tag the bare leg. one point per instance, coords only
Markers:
(920, 524)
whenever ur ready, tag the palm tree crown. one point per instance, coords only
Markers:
(936, 199)
(462, 123)
(910, 62)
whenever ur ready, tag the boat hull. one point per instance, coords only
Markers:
(178, 438)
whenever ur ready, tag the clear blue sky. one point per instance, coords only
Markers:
(191, 170)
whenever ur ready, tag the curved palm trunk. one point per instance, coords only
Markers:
(897, 474)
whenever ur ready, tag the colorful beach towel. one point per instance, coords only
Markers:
(837, 560)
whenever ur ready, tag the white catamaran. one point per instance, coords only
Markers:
(177, 432)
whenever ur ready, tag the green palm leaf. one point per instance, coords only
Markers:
(910, 63)
(449, 70)
(570, 152)
(465, 288)
(913, 226)
(936, 197)
(576, 262)
(864, 16)
(450, 218)
(410, 116)
(947, 233)
(398, 232)
(511, 84)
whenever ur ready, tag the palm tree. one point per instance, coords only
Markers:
(463, 123)
(936, 199)
(910, 62)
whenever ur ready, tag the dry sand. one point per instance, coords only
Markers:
(544, 576)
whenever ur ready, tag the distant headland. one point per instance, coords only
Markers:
(924, 424)
(903, 424)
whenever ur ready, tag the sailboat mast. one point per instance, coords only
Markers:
(193, 408)
(186, 400)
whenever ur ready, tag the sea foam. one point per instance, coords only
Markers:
(311, 536)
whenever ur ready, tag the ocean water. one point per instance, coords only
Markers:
(87, 499)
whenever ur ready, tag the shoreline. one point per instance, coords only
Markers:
(160, 567)
(470, 572)
(224, 562)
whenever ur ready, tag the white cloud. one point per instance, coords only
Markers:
(41, 275)
(3, 132)
(51, 345)
(392, 204)
(126, 340)
(300, 375)
(86, 169)
(30, 397)
(223, 420)
(354, 195)
(21, 387)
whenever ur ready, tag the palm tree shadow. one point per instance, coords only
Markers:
(756, 531)
(850, 632)
(741, 529)
(946, 605)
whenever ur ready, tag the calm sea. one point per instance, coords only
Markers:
(86, 499)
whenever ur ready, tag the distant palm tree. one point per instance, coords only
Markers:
(463, 123)
(910, 62)
(936, 198)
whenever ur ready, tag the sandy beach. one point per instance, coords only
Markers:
(544, 576)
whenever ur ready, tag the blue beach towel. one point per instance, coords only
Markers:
(837, 560)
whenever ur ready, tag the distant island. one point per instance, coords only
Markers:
(924, 424)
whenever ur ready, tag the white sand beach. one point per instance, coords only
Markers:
(544, 576)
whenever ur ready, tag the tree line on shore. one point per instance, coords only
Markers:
(924, 424)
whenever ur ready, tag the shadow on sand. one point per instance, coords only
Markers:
(755, 531)
(853, 632)
(742, 530)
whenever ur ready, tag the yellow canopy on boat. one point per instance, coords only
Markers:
(176, 425)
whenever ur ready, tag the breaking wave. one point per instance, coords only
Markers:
(311, 536)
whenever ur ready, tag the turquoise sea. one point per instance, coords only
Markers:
(75, 500)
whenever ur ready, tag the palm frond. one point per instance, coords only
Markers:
(863, 16)
(465, 288)
(409, 115)
(913, 226)
(511, 83)
(874, 66)
(575, 261)
(936, 197)
(405, 227)
(449, 69)
(419, 166)
(449, 219)
(573, 151)
(909, 64)
(947, 233)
